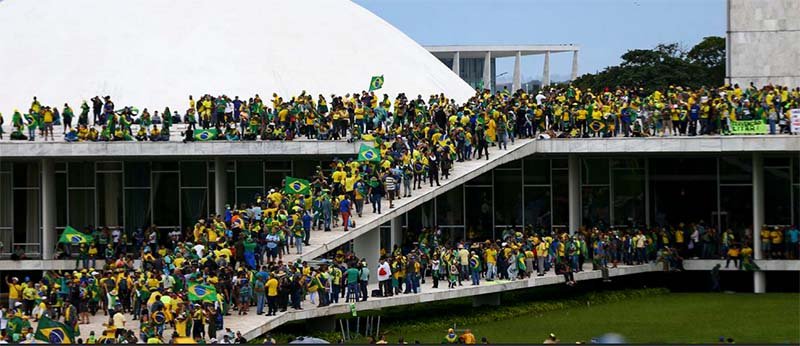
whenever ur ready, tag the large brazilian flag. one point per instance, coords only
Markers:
(295, 186)
(53, 332)
(205, 135)
(198, 291)
(368, 153)
(376, 83)
(72, 236)
(16, 324)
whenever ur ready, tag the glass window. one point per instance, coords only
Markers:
(629, 197)
(627, 163)
(511, 164)
(278, 166)
(194, 205)
(302, 168)
(796, 205)
(61, 199)
(231, 190)
(560, 197)
(211, 192)
(452, 235)
(193, 173)
(165, 199)
(594, 203)
(777, 161)
(735, 170)
(537, 171)
(6, 201)
(137, 209)
(109, 166)
(777, 196)
(26, 174)
(450, 207)
(508, 197)
(483, 179)
(479, 212)
(26, 215)
(560, 163)
(682, 189)
(81, 174)
(165, 165)
(274, 180)
(137, 174)
(81, 208)
(537, 206)
(109, 199)
(420, 217)
(249, 173)
(736, 208)
(594, 171)
(247, 195)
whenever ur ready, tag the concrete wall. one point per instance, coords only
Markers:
(764, 42)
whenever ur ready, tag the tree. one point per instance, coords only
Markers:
(662, 66)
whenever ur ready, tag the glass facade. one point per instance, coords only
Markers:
(533, 192)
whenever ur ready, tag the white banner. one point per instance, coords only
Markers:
(794, 120)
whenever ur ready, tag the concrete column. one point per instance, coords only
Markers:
(368, 246)
(396, 233)
(48, 209)
(574, 179)
(457, 63)
(517, 82)
(220, 185)
(546, 70)
(759, 278)
(574, 65)
(487, 71)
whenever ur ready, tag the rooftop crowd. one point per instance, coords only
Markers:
(563, 112)
(183, 283)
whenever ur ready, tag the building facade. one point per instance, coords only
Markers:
(547, 190)
(763, 42)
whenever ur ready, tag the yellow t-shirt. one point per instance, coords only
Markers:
(272, 287)
(491, 256)
(14, 291)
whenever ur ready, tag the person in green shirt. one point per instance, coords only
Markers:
(351, 276)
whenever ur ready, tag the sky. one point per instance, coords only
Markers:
(604, 29)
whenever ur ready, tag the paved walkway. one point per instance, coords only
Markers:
(253, 325)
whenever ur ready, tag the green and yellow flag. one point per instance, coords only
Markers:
(295, 186)
(369, 154)
(16, 324)
(198, 291)
(54, 332)
(73, 236)
(205, 135)
(376, 83)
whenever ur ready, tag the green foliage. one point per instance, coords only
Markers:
(665, 65)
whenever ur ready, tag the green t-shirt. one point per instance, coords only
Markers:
(352, 275)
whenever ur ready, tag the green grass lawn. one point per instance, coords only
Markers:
(666, 318)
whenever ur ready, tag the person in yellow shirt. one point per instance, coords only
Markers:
(490, 256)
(272, 295)
(14, 291)
(733, 254)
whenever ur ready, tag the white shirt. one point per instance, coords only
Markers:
(115, 235)
(387, 271)
(198, 249)
(540, 98)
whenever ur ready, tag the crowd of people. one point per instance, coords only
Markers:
(564, 112)
(187, 281)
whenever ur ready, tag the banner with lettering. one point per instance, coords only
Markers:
(749, 127)
(794, 120)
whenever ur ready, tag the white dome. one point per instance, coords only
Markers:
(154, 53)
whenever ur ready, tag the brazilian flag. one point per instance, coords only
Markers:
(205, 135)
(72, 236)
(295, 185)
(17, 324)
(369, 154)
(376, 83)
(198, 291)
(53, 332)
